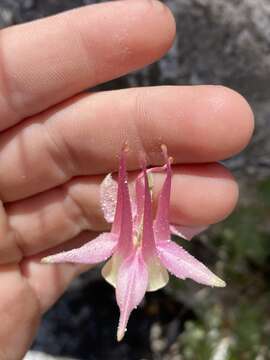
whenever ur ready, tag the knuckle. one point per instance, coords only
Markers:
(59, 151)
(141, 120)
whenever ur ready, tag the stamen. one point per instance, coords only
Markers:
(137, 238)
(164, 150)
(150, 182)
(125, 147)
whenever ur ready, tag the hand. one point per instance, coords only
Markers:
(56, 146)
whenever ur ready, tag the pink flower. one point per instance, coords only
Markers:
(140, 248)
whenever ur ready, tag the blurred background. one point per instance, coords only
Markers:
(218, 42)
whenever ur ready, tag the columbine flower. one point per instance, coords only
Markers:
(140, 248)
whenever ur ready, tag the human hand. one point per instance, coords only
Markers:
(56, 146)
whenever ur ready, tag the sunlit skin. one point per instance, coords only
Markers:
(56, 145)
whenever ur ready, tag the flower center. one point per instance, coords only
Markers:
(137, 237)
(150, 183)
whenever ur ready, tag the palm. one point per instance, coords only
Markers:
(55, 146)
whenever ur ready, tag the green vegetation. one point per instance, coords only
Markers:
(234, 323)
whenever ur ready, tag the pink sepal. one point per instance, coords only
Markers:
(131, 286)
(93, 252)
(187, 232)
(183, 265)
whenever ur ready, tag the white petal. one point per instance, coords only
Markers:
(158, 276)
(110, 269)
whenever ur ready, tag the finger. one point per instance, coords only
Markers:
(9, 249)
(20, 313)
(201, 194)
(85, 136)
(49, 60)
(28, 290)
(49, 281)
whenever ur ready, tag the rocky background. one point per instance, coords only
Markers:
(219, 42)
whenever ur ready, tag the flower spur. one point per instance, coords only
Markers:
(140, 248)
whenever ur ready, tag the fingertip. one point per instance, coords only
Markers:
(158, 28)
(201, 194)
(247, 119)
(234, 115)
(170, 22)
(141, 31)
(225, 194)
(217, 196)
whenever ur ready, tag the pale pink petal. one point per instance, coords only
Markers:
(108, 197)
(183, 265)
(123, 222)
(140, 189)
(187, 232)
(93, 252)
(161, 224)
(121, 193)
(131, 286)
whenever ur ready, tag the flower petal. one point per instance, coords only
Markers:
(123, 222)
(130, 289)
(111, 268)
(108, 197)
(148, 239)
(187, 232)
(183, 265)
(139, 191)
(161, 224)
(157, 273)
(93, 252)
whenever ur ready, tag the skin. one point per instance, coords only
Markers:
(56, 144)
